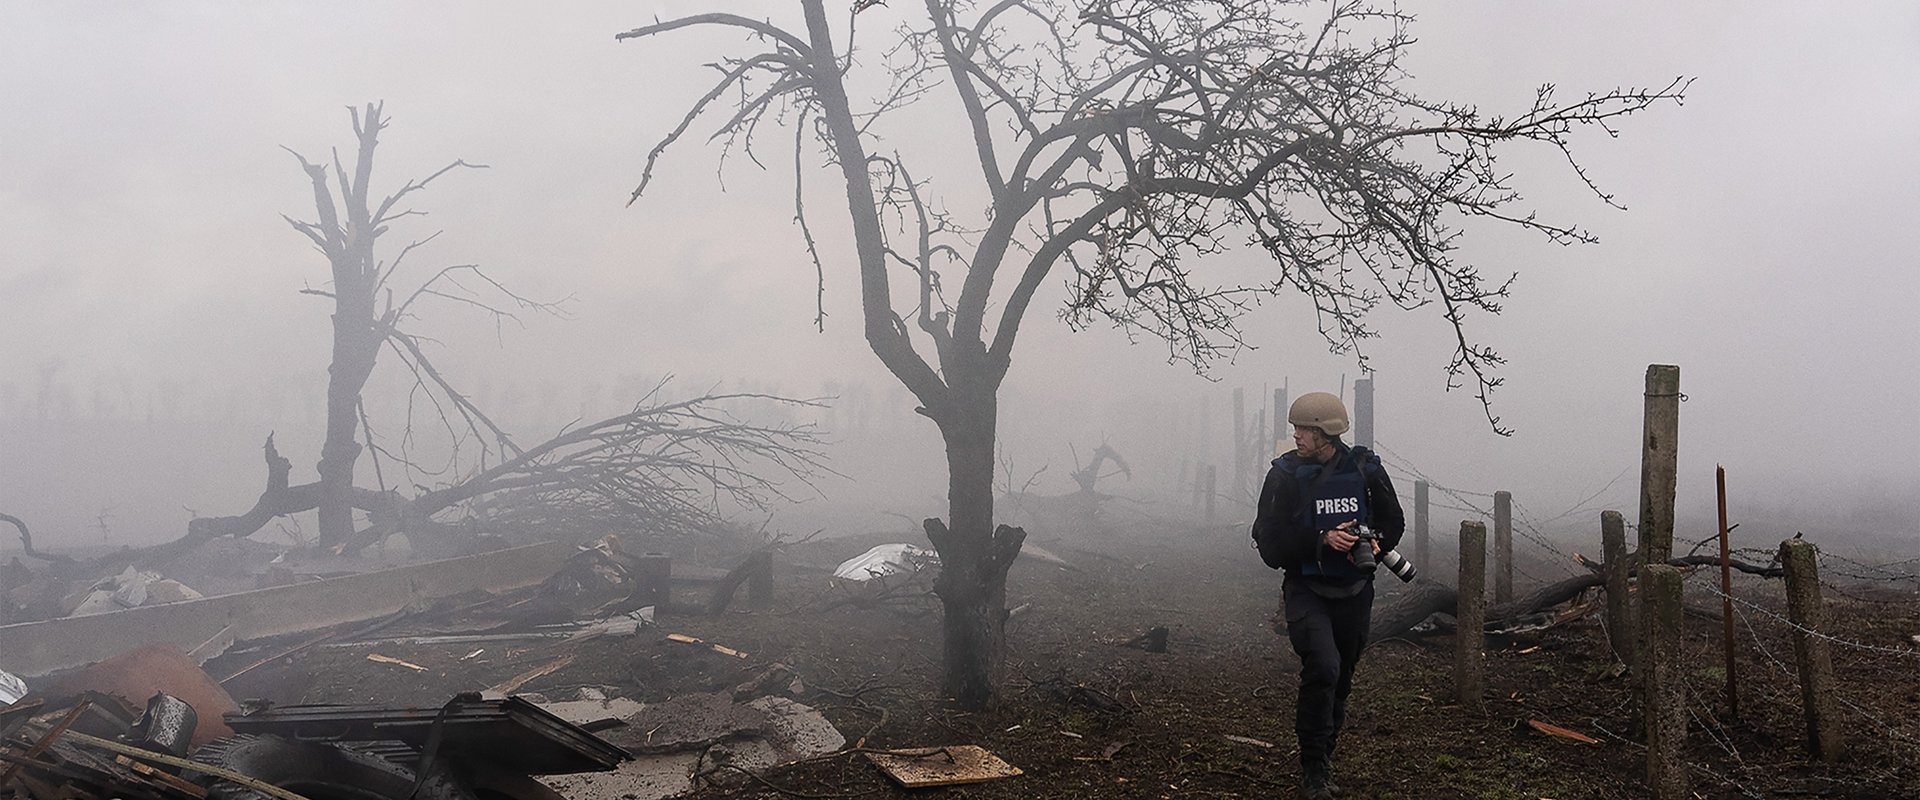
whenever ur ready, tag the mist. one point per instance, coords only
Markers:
(156, 333)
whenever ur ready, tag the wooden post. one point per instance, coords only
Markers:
(1280, 430)
(1502, 547)
(1239, 443)
(1420, 551)
(1726, 593)
(1613, 548)
(1664, 687)
(1659, 462)
(1825, 740)
(1469, 638)
(1212, 488)
(1363, 412)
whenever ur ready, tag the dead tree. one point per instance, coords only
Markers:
(663, 467)
(1427, 598)
(366, 316)
(1089, 474)
(1127, 140)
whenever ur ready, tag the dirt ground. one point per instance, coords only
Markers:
(1084, 716)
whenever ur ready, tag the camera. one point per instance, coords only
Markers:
(1362, 554)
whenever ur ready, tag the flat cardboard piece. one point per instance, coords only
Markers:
(942, 766)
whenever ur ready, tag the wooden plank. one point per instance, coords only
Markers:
(942, 766)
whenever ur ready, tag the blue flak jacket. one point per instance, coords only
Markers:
(1337, 497)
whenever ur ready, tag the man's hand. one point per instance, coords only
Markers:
(1339, 539)
(1342, 541)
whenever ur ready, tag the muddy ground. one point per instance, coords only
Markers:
(1084, 716)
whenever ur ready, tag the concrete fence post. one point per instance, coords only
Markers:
(1659, 471)
(1469, 651)
(1502, 547)
(1825, 741)
(1613, 549)
(1664, 687)
(1420, 549)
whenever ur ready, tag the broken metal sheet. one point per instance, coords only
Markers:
(38, 648)
(886, 559)
(137, 675)
(510, 733)
(942, 766)
(11, 688)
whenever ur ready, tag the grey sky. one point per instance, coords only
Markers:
(1767, 249)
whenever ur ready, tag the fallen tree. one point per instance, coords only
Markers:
(662, 468)
(1427, 598)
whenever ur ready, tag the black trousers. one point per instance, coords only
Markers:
(1328, 635)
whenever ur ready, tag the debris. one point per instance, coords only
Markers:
(1071, 735)
(626, 624)
(1153, 641)
(777, 678)
(380, 659)
(175, 782)
(887, 559)
(942, 766)
(721, 649)
(137, 675)
(11, 688)
(690, 722)
(676, 739)
(1533, 649)
(39, 648)
(523, 678)
(167, 725)
(1260, 743)
(473, 655)
(214, 647)
(510, 733)
(1555, 730)
(595, 714)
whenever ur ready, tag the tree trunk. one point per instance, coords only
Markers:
(341, 449)
(974, 556)
(356, 344)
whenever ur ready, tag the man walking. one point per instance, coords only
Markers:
(1316, 503)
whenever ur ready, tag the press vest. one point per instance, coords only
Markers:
(1337, 496)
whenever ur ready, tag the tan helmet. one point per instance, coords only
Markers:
(1319, 410)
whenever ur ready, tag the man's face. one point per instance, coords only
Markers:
(1307, 442)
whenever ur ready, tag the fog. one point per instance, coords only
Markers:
(155, 333)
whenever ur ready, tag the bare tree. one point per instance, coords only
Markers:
(366, 315)
(1127, 140)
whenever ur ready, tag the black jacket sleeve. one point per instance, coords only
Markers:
(1388, 519)
(1282, 530)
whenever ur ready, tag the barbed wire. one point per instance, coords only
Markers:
(1903, 652)
(1793, 674)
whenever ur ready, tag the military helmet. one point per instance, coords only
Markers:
(1319, 410)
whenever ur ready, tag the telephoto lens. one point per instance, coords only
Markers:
(1399, 566)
